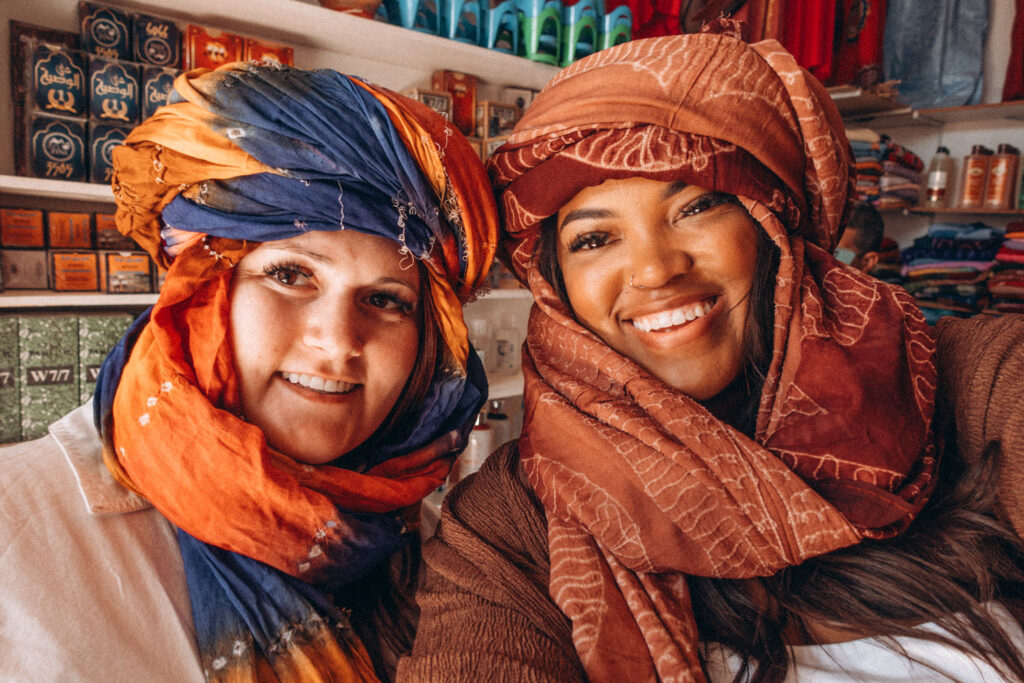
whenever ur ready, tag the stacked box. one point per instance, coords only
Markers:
(108, 236)
(105, 31)
(113, 91)
(262, 51)
(103, 138)
(47, 370)
(205, 47)
(56, 148)
(24, 39)
(10, 402)
(98, 333)
(495, 119)
(25, 269)
(462, 87)
(125, 272)
(157, 85)
(74, 271)
(22, 228)
(156, 41)
(67, 230)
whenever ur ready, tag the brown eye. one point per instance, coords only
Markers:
(288, 275)
(589, 240)
(707, 201)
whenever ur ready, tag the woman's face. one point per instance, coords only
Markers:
(662, 273)
(325, 332)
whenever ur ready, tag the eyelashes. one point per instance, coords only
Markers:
(705, 202)
(287, 273)
(294, 275)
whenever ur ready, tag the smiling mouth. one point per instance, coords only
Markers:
(315, 383)
(674, 317)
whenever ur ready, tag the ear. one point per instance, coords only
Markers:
(868, 260)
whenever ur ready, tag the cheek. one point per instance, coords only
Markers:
(592, 290)
(394, 356)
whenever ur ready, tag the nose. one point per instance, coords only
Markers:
(333, 326)
(656, 260)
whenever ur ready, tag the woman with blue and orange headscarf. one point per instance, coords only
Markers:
(274, 421)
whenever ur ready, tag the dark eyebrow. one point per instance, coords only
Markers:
(584, 214)
(675, 188)
(296, 249)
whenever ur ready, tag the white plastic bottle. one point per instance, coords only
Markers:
(481, 443)
(506, 345)
(483, 341)
(939, 180)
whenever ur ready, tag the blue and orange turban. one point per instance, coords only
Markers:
(246, 154)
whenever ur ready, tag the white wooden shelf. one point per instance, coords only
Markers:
(40, 299)
(58, 189)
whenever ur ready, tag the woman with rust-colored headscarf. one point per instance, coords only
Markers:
(731, 466)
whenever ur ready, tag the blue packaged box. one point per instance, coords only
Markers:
(156, 41)
(113, 91)
(57, 147)
(157, 85)
(103, 138)
(59, 80)
(105, 31)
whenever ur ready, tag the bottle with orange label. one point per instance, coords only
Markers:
(1002, 177)
(975, 177)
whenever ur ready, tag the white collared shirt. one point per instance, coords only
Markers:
(92, 586)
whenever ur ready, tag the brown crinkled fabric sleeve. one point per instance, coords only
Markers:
(981, 383)
(484, 587)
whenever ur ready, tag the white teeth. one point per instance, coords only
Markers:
(327, 386)
(677, 316)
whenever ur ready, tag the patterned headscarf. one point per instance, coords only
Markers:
(241, 155)
(641, 484)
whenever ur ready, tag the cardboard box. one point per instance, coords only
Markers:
(495, 119)
(58, 81)
(105, 31)
(25, 269)
(114, 88)
(157, 86)
(98, 333)
(74, 271)
(125, 272)
(22, 228)
(521, 97)
(463, 91)
(47, 370)
(69, 230)
(156, 41)
(56, 148)
(210, 48)
(108, 236)
(254, 50)
(103, 138)
(438, 100)
(10, 394)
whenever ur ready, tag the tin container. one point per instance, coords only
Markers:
(105, 31)
(157, 86)
(114, 91)
(57, 148)
(103, 138)
(58, 81)
(156, 41)
(210, 48)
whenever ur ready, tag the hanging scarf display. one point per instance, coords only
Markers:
(241, 155)
(641, 485)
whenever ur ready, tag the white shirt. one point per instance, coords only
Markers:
(92, 586)
(868, 659)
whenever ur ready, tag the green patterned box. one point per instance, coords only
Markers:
(97, 334)
(48, 370)
(10, 404)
